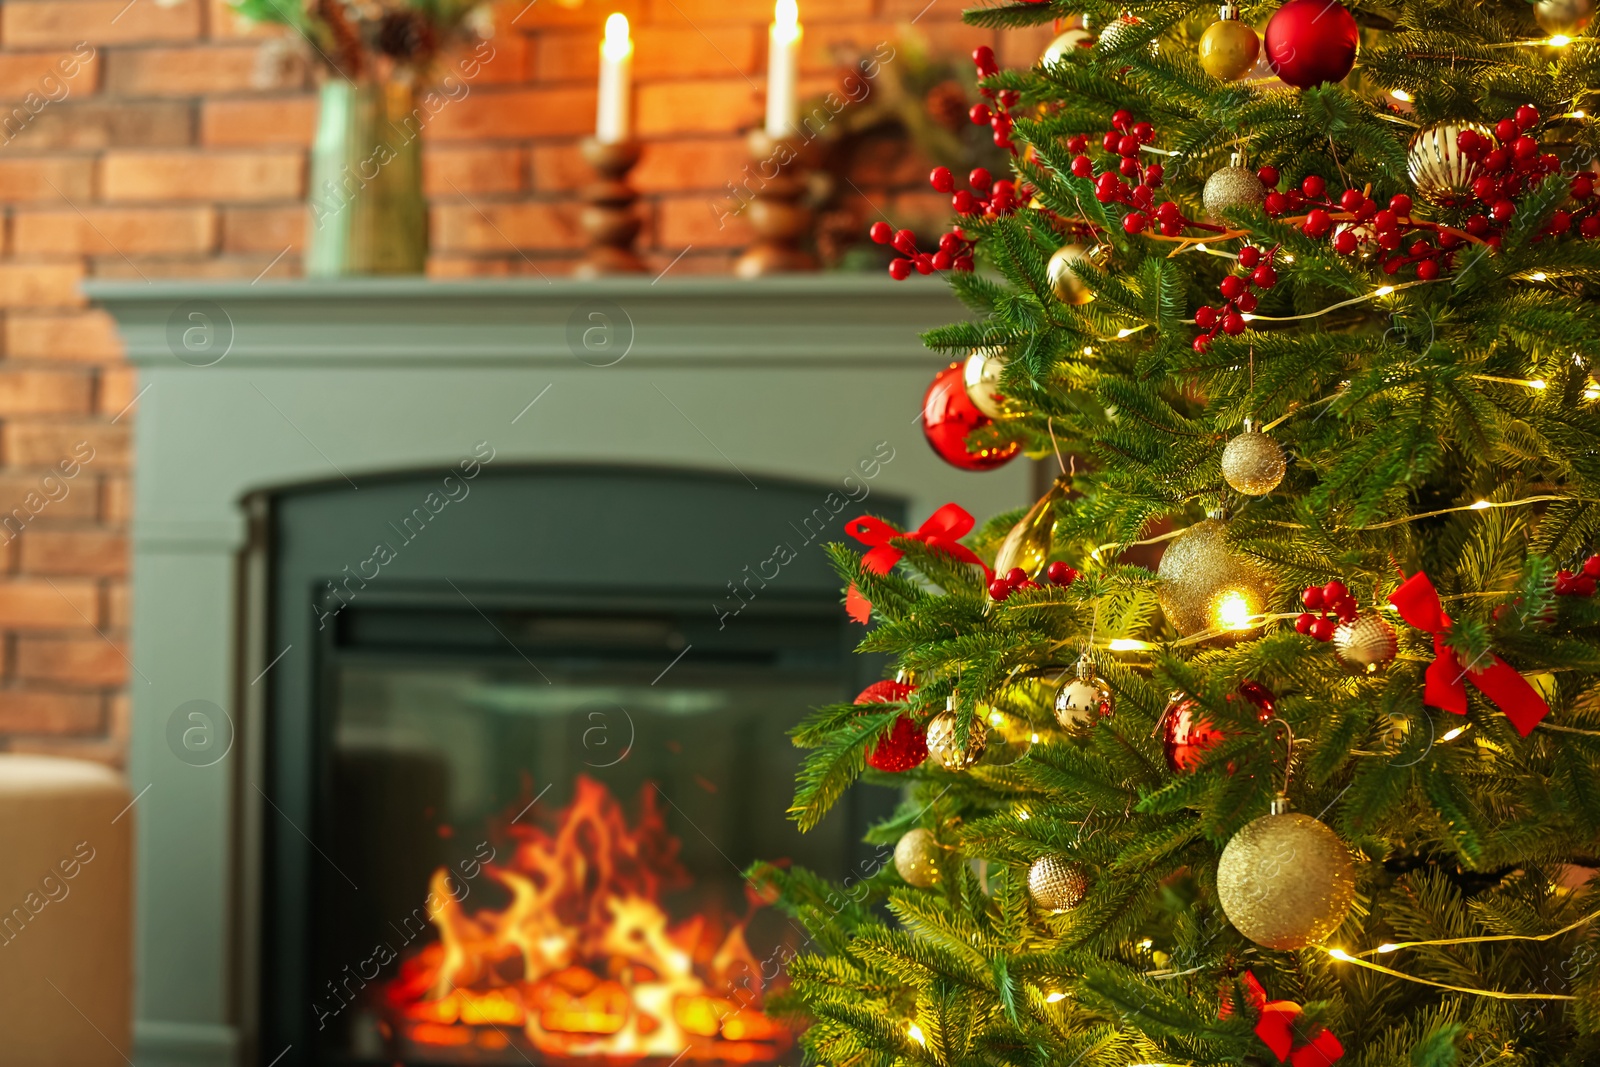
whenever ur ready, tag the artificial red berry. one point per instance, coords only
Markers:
(1121, 119)
(1083, 167)
(998, 589)
(1428, 270)
(1582, 186)
(1135, 221)
(1344, 243)
(1202, 343)
(1506, 129)
(1153, 175)
(1400, 203)
(983, 59)
(1078, 142)
(1312, 597)
(1304, 622)
(881, 233)
(1478, 225)
(1168, 211)
(1591, 566)
(1468, 141)
(1313, 187)
(1590, 227)
(964, 203)
(1503, 210)
(1233, 323)
(1351, 199)
(1268, 176)
(1171, 228)
(1324, 629)
(1525, 147)
(1144, 131)
(1497, 161)
(942, 180)
(980, 179)
(1334, 591)
(1129, 168)
(1061, 574)
(1264, 276)
(964, 263)
(1384, 220)
(1318, 223)
(1249, 256)
(1232, 286)
(1527, 117)
(1128, 145)
(980, 114)
(1143, 196)
(1275, 204)
(1584, 586)
(1246, 302)
(923, 262)
(942, 260)
(904, 241)
(1205, 318)
(1009, 98)
(1110, 141)
(899, 269)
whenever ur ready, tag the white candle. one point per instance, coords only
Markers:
(783, 70)
(614, 115)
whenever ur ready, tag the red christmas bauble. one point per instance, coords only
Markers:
(1309, 42)
(949, 415)
(905, 746)
(1187, 735)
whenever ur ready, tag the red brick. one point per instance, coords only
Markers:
(47, 711)
(698, 106)
(446, 266)
(694, 220)
(44, 392)
(116, 499)
(62, 603)
(45, 179)
(116, 601)
(194, 71)
(524, 16)
(117, 388)
(91, 660)
(230, 176)
(33, 285)
(228, 268)
(42, 23)
(223, 22)
(248, 123)
(504, 62)
(676, 166)
(53, 550)
(659, 52)
(263, 229)
(92, 124)
(89, 336)
(502, 227)
(705, 12)
(112, 753)
(45, 493)
(45, 72)
(452, 172)
(114, 231)
(561, 168)
(502, 114)
(46, 444)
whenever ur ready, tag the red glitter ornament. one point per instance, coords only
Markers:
(1309, 42)
(949, 415)
(905, 746)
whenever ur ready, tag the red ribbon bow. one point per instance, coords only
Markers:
(1276, 1030)
(1446, 689)
(940, 532)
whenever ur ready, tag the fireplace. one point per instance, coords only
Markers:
(395, 690)
(514, 784)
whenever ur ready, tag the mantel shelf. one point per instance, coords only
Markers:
(810, 320)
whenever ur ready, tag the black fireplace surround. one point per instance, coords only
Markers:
(486, 642)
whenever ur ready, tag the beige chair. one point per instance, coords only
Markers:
(66, 918)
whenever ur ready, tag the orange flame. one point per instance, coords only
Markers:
(583, 960)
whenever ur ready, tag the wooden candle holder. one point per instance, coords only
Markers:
(610, 213)
(777, 214)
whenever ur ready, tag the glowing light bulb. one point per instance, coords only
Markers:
(1592, 393)
(1383, 290)
(1537, 276)
(617, 45)
(1234, 611)
(1146, 943)
(1054, 998)
(1453, 733)
(996, 718)
(1560, 40)
(1537, 383)
(915, 1033)
(1387, 948)
(1580, 114)
(1022, 813)
(1479, 505)
(1339, 954)
(1123, 333)
(1088, 351)
(1036, 739)
(1126, 644)
(786, 20)
(1401, 95)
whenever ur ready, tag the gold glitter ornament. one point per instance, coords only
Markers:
(1205, 585)
(1111, 36)
(1565, 17)
(1028, 543)
(1234, 186)
(1253, 462)
(981, 373)
(1068, 287)
(1056, 883)
(944, 746)
(1440, 171)
(1065, 45)
(1368, 644)
(1085, 698)
(916, 858)
(1228, 48)
(1286, 881)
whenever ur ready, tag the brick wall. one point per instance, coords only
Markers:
(173, 150)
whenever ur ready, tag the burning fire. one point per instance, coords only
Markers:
(583, 960)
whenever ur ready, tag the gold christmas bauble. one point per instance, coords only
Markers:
(1440, 171)
(1084, 698)
(1065, 45)
(1286, 881)
(1234, 186)
(982, 377)
(1068, 287)
(1228, 48)
(1253, 463)
(1111, 36)
(1205, 585)
(944, 747)
(1057, 884)
(1366, 236)
(916, 858)
(1368, 644)
(1566, 17)
(1028, 544)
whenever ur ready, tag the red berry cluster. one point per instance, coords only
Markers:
(1237, 299)
(1123, 142)
(1335, 605)
(997, 113)
(1058, 573)
(1390, 232)
(1512, 165)
(1582, 583)
(955, 251)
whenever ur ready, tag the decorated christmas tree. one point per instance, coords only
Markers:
(1271, 733)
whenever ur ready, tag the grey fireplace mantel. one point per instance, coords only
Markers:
(249, 388)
